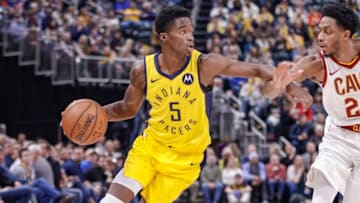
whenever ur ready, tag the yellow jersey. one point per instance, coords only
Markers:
(178, 108)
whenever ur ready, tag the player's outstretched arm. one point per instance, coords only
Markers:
(310, 67)
(133, 98)
(215, 64)
(212, 65)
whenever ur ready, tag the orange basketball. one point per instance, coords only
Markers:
(84, 121)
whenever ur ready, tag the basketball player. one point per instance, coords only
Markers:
(166, 158)
(337, 69)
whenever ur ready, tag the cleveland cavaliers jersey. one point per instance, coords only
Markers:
(341, 90)
(177, 106)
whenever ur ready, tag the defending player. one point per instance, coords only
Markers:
(337, 69)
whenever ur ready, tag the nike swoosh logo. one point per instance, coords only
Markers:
(332, 73)
(193, 164)
(154, 80)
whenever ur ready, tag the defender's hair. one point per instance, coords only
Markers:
(344, 16)
(167, 16)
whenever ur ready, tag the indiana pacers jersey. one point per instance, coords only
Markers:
(177, 106)
(341, 90)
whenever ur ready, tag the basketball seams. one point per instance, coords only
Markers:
(77, 121)
(95, 122)
(72, 105)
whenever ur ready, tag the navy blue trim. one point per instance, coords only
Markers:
(147, 112)
(208, 104)
(174, 74)
(145, 87)
(203, 163)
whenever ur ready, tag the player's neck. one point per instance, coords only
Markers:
(347, 53)
(170, 63)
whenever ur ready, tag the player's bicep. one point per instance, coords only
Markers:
(312, 66)
(215, 64)
(134, 94)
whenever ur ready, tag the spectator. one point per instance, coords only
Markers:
(317, 106)
(239, 192)
(318, 134)
(227, 154)
(91, 159)
(299, 133)
(10, 190)
(80, 28)
(9, 151)
(211, 181)
(121, 6)
(147, 14)
(276, 176)
(255, 175)
(296, 176)
(44, 191)
(229, 171)
(309, 155)
(21, 139)
(41, 166)
(290, 152)
(131, 18)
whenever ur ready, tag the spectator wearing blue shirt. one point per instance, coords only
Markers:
(255, 175)
(299, 134)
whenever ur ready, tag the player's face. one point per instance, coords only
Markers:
(180, 36)
(330, 37)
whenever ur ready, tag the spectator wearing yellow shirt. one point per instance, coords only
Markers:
(265, 15)
(294, 42)
(217, 25)
(281, 26)
(131, 19)
(132, 13)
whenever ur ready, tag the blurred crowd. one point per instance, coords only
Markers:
(45, 173)
(262, 31)
(87, 27)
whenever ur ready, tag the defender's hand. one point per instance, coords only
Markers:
(283, 76)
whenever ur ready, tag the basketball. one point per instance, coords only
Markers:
(84, 121)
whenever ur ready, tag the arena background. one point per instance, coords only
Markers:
(51, 55)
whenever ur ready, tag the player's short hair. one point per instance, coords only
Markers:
(167, 16)
(344, 16)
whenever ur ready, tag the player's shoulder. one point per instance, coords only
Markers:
(138, 66)
(137, 74)
(210, 58)
(315, 59)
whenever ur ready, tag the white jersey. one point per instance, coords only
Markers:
(341, 91)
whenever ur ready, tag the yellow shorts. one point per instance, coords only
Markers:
(163, 173)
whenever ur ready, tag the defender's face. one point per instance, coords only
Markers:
(330, 37)
(180, 36)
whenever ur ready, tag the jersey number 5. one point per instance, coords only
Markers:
(352, 108)
(176, 116)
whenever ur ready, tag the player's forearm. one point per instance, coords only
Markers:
(118, 111)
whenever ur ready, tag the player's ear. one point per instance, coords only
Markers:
(163, 36)
(347, 34)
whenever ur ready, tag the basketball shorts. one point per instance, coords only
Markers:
(163, 173)
(339, 155)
